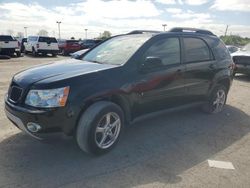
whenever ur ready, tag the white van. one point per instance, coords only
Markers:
(41, 45)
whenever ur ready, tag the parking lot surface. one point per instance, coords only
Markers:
(168, 150)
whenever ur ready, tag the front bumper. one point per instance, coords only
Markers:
(18, 122)
(50, 120)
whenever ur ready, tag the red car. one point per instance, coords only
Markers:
(68, 46)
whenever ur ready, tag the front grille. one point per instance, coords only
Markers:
(244, 60)
(15, 93)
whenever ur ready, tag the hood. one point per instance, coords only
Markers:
(241, 53)
(64, 69)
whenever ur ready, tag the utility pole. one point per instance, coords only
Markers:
(59, 31)
(25, 28)
(164, 26)
(86, 35)
(226, 30)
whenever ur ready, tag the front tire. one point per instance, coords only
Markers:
(100, 127)
(216, 100)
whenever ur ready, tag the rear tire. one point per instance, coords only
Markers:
(100, 127)
(34, 53)
(64, 53)
(18, 54)
(217, 100)
(54, 54)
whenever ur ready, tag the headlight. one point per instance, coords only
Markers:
(47, 98)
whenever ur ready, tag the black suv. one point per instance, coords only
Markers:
(119, 80)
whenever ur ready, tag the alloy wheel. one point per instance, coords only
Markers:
(219, 101)
(107, 130)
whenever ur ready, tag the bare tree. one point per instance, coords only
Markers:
(43, 32)
(20, 34)
(10, 32)
(105, 35)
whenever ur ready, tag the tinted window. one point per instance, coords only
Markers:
(47, 39)
(168, 50)
(221, 51)
(196, 50)
(6, 38)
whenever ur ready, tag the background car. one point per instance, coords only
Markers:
(87, 43)
(68, 46)
(23, 42)
(41, 45)
(9, 45)
(241, 59)
(232, 49)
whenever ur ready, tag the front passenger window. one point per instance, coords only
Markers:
(168, 50)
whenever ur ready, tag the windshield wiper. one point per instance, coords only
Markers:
(94, 61)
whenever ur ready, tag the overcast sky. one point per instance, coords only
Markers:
(123, 16)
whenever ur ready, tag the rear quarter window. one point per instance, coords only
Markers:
(219, 49)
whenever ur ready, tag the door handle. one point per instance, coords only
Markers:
(211, 66)
(178, 70)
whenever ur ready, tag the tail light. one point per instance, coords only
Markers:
(37, 45)
(232, 66)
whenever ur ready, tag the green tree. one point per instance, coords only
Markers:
(235, 40)
(43, 32)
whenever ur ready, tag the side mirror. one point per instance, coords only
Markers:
(152, 63)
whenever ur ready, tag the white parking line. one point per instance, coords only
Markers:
(220, 164)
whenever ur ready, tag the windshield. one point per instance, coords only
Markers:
(116, 51)
(246, 48)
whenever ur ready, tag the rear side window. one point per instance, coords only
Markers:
(196, 50)
(222, 52)
(6, 38)
(47, 39)
(168, 50)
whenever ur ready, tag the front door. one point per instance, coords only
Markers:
(163, 86)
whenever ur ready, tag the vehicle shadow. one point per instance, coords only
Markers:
(40, 56)
(153, 150)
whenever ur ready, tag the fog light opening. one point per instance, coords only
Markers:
(33, 127)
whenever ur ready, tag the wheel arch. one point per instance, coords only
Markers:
(117, 99)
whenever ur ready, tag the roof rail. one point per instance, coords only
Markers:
(194, 30)
(142, 31)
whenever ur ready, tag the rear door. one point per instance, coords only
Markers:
(162, 87)
(48, 43)
(200, 67)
